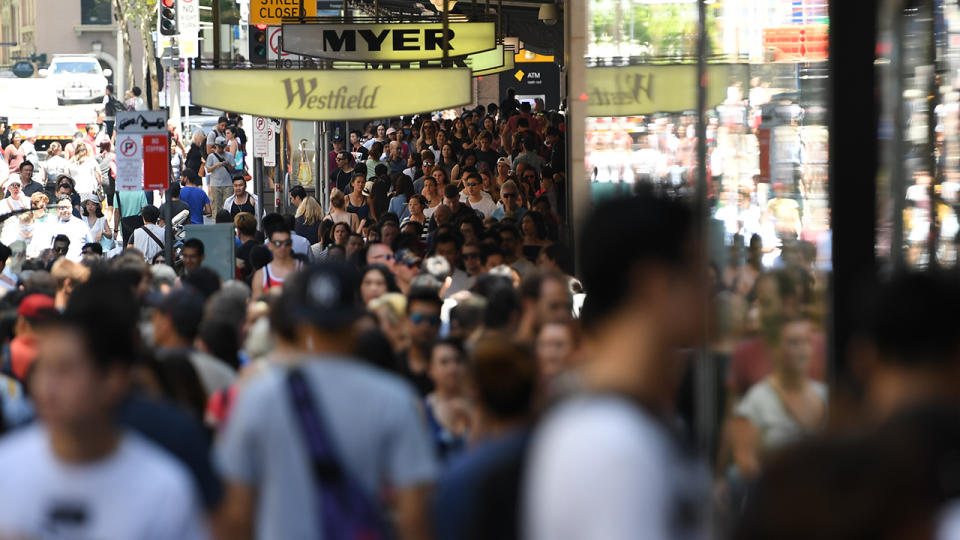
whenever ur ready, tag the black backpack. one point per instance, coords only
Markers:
(113, 106)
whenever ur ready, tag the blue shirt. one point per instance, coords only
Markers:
(197, 199)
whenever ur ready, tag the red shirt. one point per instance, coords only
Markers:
(752, 361)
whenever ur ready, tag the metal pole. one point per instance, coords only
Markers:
(323, 189)
(119, 77)
(258, 185)
(446, 27)
(216, 33)
(282, 169)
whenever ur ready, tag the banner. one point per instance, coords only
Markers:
(329, 95)
(648, 89)
(387, 42)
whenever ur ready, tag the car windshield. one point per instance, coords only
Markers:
(91, 68)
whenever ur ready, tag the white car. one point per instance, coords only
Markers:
(77, 78)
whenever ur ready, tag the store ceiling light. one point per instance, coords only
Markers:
(548, 14)
(439, 4)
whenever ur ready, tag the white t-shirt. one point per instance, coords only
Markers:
(600, 467)
(486, 206)
(138, 492)
(85, 175)
(147, 245)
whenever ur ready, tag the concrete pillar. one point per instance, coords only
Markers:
(578, 187)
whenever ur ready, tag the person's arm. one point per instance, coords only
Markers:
(107, 230)
(234, 520)
(256, 284)
(411, 512)
(206, 210)
(745, 440)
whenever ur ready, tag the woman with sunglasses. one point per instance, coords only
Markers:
(275, 273)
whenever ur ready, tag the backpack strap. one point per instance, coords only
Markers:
(153, 236)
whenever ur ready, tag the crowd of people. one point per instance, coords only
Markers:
(419, 361)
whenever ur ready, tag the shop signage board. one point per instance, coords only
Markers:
(275, 11)
(270, 160)
(135, 130)
(387, 42)
(507, 65)
(648, 89)
(317, 95)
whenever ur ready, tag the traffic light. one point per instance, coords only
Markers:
(258, 44)
(167, 18)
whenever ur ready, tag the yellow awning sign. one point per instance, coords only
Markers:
(274, 11)
(330, 95)
(387, 42)
(507, 65)
(648, 89)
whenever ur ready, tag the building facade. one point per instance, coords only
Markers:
(69, 27)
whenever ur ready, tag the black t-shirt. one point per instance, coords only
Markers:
(243, 253)
(489, 157)
(31, 188)
(341, 180)
(310, 232)
(178, 206)
(194, 158)
(420, 381)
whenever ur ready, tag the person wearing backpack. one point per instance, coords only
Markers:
(312, 444)
(111, 106)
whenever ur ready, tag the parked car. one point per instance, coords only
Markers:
(77, 78)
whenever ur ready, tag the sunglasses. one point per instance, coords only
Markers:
(281, 243)
(509, 195)
(417, 318)
(428, 164)
(61, 250)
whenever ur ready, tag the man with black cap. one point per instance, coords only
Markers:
(220, 165)
(329, 426)
(337, 141)
(149, 238)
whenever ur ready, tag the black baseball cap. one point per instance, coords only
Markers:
(324, 294)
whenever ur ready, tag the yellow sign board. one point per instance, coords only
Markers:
(330, 95)
(648, 89)
(387, 42)
(275, 11)
(508, 64)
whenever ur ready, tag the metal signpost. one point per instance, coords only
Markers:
(143, 160)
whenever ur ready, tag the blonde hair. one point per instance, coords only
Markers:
(37, 197)
(64, 269)
(395, 305)
(338, 199)
(310, 210)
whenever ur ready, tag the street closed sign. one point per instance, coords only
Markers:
(275, 11)
(325, 95)
(387, 42)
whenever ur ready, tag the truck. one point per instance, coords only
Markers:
(31, 104)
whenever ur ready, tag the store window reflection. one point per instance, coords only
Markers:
(766, 194)
(918, 55)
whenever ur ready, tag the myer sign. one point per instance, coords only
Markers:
(324, 95)
(387, 42)
(648, 89)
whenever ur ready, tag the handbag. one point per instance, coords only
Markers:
(348, 512)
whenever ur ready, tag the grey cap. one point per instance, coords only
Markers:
(220, 141)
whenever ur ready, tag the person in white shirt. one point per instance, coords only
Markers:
(77, 473)
(474, 196)
(149, 238)
(65, 224)
(604, 463)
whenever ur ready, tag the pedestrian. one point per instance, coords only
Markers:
(101, 480)
(241, 200)
(220, 166)
(85, 172)
(13, 154)
(272, 276)
(605, 459)
(148, 239)
(192, 194)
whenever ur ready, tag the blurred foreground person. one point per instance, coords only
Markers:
(77, 473)
(310, 449)
(605, 463)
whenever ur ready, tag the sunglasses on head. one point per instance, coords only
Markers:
(280, 243)
(417, 318)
